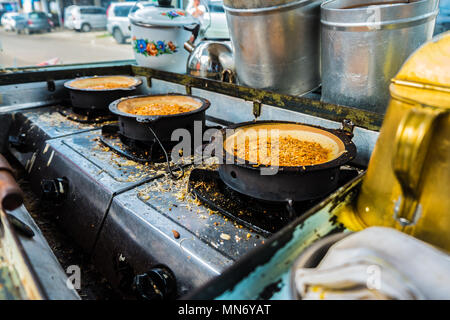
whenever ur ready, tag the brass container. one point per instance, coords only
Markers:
(407, 184)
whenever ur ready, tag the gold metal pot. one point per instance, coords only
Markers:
(407, 184)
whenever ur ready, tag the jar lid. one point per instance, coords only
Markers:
(160, 16)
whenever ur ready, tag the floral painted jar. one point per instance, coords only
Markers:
(158, 35)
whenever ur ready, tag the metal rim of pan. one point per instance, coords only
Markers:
(134, 86)
(348, 155)
(113, 107)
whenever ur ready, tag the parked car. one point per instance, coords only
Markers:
(2, 12)
(33, 22)
(9, 20)
(54, 19)
(85, 18)
(118, 24)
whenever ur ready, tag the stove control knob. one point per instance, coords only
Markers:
(19, 142)
(54, 189)
(156, 284)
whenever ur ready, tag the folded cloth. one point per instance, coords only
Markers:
(377, 263)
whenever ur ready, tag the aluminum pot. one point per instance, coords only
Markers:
(364, 46)
(276, 48)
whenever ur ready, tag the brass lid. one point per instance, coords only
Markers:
(425, 77)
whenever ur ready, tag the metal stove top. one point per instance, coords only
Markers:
(131, 216)
(159, 222)
(94, 175)
(114, 206)
(113, 171)
(31, 128)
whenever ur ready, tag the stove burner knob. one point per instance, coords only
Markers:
(156, 284)
(55, 189)
(19, 142)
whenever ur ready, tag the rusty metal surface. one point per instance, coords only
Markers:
(18, 279)
(46, 266)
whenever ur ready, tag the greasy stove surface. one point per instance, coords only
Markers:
(93, 175)
(116, 203)
(264, 217)
(31, 128)
(44, 131)
(160, 222)
(113, 206)
(121, 172)
(128, 213)
(80, 116)
(173, 199)
(52, 122)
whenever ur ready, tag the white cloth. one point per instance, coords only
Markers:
(377, 263)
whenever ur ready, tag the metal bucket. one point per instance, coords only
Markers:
(277, 48)
(364, 44)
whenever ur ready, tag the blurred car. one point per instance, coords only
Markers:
(33, 22)
(54, 19)
(84, 18)
(118, 24)
(2, 12)
(218, 28)
(443, 18)
(10, 19)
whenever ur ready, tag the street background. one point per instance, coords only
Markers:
(67, 45)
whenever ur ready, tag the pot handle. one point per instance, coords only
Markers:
(411, 144)
(347, 127)
(195, 29)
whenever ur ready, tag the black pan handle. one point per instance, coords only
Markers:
(20, 226)
(195, 29)
(347, 127)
